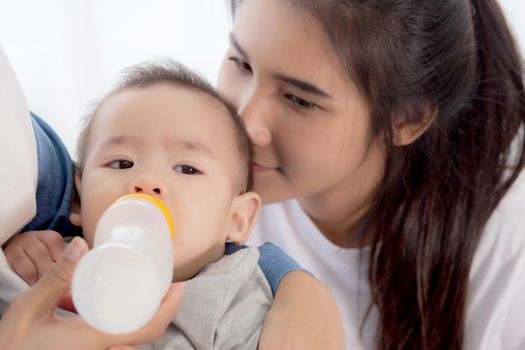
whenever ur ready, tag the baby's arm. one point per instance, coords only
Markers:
(32, 253)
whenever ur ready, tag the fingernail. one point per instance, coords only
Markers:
(73, 251)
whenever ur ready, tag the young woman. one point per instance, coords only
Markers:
(389, 136)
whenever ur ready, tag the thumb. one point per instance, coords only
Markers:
(57, 281)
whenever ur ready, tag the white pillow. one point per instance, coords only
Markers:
(18, 155)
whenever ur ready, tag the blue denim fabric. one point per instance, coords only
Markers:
(55, 186)
(274, 263)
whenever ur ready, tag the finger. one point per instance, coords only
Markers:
(24, 267)
(47, 292)
(122, 347)
(157, 325)
(53, 241)
(39, 255)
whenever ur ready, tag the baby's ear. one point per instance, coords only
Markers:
(74, 217)
(243, 213)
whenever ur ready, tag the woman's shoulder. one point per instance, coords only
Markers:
(503, 237)
(510, 212)
(497, 277)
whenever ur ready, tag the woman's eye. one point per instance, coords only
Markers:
(299, 102)
(242, 65)
(186, 170)
(121, 164)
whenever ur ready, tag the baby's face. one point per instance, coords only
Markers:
(176, 144)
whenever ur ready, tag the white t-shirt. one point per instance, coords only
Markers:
(496, 293)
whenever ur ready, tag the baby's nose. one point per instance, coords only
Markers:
(144, 189)
(147, 184)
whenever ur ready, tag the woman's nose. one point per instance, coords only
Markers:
(147, 184)
(256, 117)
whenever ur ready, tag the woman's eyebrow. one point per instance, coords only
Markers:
(303, 85)
(235, 43)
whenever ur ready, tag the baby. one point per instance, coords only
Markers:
(167, 133)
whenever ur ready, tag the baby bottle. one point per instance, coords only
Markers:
(117, 286)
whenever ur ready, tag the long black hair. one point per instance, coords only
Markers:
(459, 58)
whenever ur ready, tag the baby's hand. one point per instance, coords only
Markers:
(32, 253)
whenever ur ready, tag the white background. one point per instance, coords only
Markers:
(68, 53)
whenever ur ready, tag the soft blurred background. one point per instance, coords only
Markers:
(68, 53)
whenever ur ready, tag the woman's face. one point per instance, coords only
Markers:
(308, 122)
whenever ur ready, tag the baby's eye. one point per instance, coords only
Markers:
(186, 170)
(121, 164)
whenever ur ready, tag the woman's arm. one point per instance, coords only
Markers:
(303, 315)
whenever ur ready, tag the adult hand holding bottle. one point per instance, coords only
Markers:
(31, 321)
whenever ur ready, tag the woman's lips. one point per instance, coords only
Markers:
(257, 168)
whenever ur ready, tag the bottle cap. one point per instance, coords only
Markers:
(165, 211)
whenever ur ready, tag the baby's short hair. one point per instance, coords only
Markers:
(169, 71)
